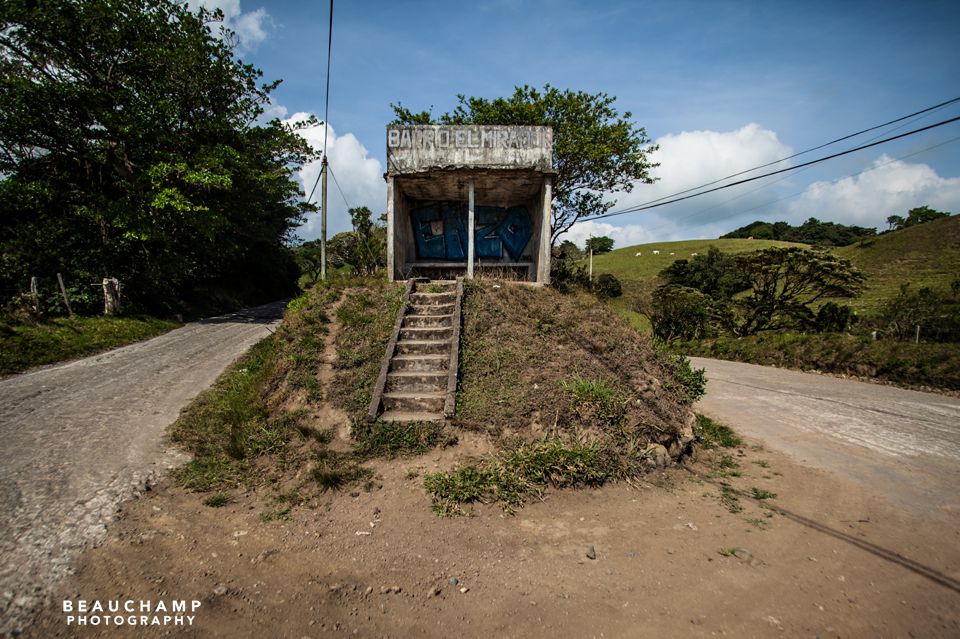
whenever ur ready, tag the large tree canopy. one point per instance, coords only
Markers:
(131, 146)
(595, 150)
(770, 289)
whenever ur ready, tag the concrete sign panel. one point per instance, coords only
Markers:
(423, 148)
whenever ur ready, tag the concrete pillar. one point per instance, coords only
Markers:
(471, 228)
(543, 261)
(391, 238)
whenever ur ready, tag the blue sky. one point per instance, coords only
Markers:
(722, 86)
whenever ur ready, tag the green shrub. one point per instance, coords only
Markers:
(692, 380)
(606, 286)
(680, 312)
(713, 435)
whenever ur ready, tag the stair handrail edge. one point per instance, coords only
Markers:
(450, 403)
(377, 398)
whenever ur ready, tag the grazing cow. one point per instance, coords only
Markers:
(638, 254)
(656, 252)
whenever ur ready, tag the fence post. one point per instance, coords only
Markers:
(35, 295)
(63, 289)
(111, 296)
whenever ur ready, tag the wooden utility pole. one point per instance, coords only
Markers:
(323, 219)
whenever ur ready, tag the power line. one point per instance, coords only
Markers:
(326, 108)
(793, 195)
(790, 157)
(645, 207)
(335, 181)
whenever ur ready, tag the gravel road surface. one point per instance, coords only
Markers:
(79, 438)
(903, 445)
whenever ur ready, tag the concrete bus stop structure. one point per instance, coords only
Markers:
(469, 199)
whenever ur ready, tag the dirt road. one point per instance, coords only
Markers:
(902, 445)
(78, 438)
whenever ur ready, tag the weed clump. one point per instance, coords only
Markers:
(714, 435)
(522, 472)
(395, 439)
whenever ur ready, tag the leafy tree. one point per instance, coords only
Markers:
(600, 244)
(813, 231)
(131, 146)
(937, 315)
(309, 257)
(915, 216)
(713, 273)
(364, 248)
(568, 249)
(784, 283)
(595, 149)
(769, 289)
(680, 312)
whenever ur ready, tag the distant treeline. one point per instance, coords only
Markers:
(813, 231)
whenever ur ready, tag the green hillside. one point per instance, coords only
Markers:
(638, 273)
(923, 255)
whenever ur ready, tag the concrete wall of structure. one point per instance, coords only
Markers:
(419, 148)
(430, 170)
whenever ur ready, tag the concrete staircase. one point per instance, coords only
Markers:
(418, 378)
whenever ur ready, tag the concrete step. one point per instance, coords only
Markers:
(416, 381)
(431, 402)
(419, 363)
(423, 347)
(418, 333)
(431, 309)
(433, 299)
(411, 416)
(427, 321)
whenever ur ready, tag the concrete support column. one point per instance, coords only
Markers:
(471, 228)
(543, 262)
(390, 231)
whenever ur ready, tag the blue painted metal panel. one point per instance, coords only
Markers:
(440, 233)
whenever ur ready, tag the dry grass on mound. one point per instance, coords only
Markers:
(537, 363)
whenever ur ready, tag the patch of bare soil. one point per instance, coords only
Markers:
(665, 556)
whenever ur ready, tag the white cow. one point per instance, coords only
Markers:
(694, 254)
(638, 254)
(656, 252)
(671, 253)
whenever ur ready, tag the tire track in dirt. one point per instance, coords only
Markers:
(81, 437)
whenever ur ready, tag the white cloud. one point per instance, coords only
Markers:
(689, 159)
(889, 187)
(359, 175)
(273, 110)
(251, 27)
(622, 235)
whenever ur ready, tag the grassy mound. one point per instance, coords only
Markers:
(570, 392)
(266, 420)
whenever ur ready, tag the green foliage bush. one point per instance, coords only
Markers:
(937, 315)
(606, 286)
(680, 312)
